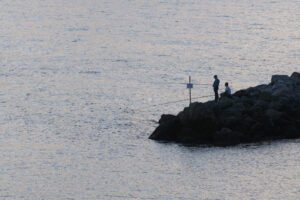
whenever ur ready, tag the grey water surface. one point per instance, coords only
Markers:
(79, 81)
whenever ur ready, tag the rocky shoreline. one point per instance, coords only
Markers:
(264, 112)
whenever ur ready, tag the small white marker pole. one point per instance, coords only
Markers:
(190, 90)
(190, 86)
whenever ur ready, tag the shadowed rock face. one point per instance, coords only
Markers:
(258, 113)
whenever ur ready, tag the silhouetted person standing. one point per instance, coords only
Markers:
(216, 87)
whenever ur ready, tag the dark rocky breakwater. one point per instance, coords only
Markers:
(264, 112)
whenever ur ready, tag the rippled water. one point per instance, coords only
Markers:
(79, 80)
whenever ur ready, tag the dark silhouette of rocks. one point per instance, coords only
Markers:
(264, 112)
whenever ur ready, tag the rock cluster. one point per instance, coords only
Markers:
(258, 113)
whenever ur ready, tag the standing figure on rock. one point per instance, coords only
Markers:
(216, 87)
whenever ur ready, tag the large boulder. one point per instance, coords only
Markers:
(279, 79)
(270, 111)
(295, 77)
(167, 129)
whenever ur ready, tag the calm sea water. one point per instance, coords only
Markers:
(79, 81)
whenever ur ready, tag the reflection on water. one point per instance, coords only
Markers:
(79, 78)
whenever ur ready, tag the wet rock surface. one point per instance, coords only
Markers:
(264, 112)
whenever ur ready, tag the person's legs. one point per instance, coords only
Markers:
(216, 94)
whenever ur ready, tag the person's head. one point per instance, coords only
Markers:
(215, 76)
(226, 84)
